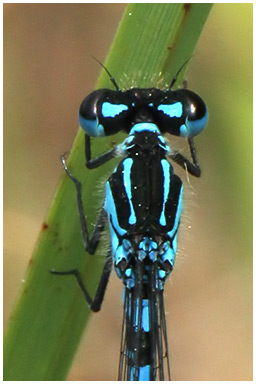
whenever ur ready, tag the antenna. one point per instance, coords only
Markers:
(177, 74)
(109, 74)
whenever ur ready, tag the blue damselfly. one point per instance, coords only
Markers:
(143, 205)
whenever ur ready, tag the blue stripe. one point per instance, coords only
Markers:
(178, 213)
(110, 208)
(140, 127)
(127, 163)
(166, 170)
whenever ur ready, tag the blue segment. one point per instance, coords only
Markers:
(166, 171)
(145, 316)
(193, 127)
(144, 373)
(127, 184)
(136, 311)
(91, 127)
(112, 110)
(172, 110)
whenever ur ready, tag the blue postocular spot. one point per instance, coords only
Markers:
(112, 110)
(91, 127)
(172, 110)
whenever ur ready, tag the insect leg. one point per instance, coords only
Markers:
(100, 160)
(90, 245)
(192, 167)
(95, 303)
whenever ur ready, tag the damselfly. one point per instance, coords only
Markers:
(143, 205)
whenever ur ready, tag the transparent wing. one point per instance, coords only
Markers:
(144, 345)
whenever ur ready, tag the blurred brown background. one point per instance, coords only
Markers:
(47, 72)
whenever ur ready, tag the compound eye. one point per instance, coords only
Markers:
(196, 115)
(88, 114)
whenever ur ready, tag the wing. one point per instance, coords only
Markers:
(144, 346)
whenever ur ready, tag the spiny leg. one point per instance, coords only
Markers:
(192, 167)
(100, 160)
(95, 303)
(90, 245)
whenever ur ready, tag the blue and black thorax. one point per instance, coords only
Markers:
(140, 196)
